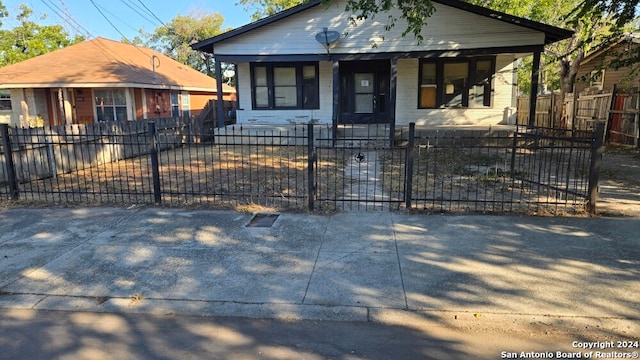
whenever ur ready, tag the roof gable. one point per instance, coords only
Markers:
(551, 33)
(622, 40)
(105, 63)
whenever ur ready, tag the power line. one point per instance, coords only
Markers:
(118, 30)
(152, 14)
(109, 21)
(68, 19)
(138, 11)
(116, 17)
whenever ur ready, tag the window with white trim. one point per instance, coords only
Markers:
(5, 100)
(175, 104)
(111, 104)
(186, 106)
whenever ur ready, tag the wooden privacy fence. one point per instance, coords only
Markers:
(624, 125)
(51, 151)
(618, 112)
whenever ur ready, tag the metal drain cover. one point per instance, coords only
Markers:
(263, 220)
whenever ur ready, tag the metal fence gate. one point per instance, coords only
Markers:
(358, 170)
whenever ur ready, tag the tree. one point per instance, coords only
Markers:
(3, 12)
(623, 16)
(29, 39)
(175, 38)
(622, 12)
(264, 8)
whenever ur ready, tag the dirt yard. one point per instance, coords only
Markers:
(619, 183)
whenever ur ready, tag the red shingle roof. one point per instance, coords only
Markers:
(105, 63)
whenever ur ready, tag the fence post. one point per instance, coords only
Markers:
(594, 167)
(8, 158)
(155, 171)
(408, 174)
(310, 166)
(514, 149)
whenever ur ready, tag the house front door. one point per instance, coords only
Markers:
(364, 89)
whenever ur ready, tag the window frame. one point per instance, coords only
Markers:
(5, 97)
(299, 85)
(174, 101)
(185, 104)
(472, 81)
(113, 106)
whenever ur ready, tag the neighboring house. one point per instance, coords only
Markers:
(102, 80)
(595, 74)
(463, 73)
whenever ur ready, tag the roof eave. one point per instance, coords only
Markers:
(109, 85)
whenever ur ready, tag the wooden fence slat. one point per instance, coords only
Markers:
(619, 113)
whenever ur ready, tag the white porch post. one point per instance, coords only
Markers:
(145, 115)
(131, 105)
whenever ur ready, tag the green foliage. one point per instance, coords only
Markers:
(621, 12)
(30, 39)
(414, 12)
(3, 12)
(264, 8)
(174, 39)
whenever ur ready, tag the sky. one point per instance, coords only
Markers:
(128, 16)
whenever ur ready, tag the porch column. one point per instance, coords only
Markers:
(336, 98)
(533, 97)
(68, 109)
(61, 107)
(392, 99)
(220, 94)
(24, 106)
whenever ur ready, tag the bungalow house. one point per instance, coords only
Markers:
(102, 80)
(596, 72)
(311, 64)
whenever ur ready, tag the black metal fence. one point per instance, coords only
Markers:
(302, 167)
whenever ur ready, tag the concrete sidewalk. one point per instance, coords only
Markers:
(348, 266)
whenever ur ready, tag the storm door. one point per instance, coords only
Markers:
(364, 92)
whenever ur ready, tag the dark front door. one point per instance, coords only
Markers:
(364, 89)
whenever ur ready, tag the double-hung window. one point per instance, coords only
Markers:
(460, 82)
(5, 100)
(111, 105)
(175, 104)
(284, 86)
